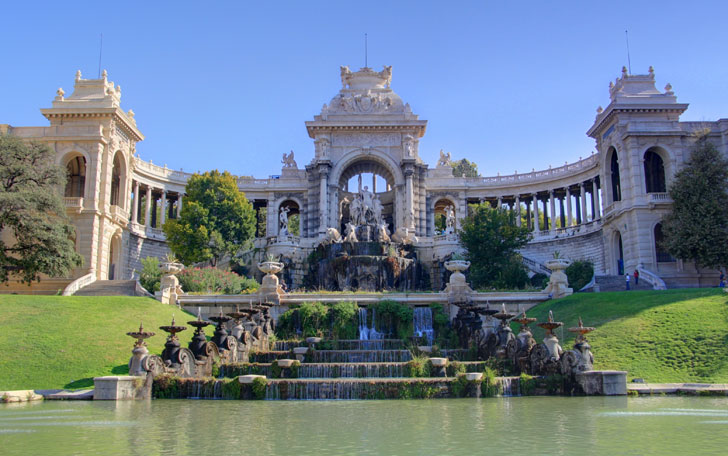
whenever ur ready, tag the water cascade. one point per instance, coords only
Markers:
(366, 331)
(423, 324)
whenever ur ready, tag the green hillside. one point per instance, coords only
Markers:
(57, 342)
(661, 336)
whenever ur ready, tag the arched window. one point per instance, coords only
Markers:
(654, 172)
(616, 185)
(76, 177)
(116, 181)
(661, 254)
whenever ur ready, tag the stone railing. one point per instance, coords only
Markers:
(58, 131)
(73, 202)
(161, 171)
(536, 176)
(660, 198)
(288, 239)
(451, 237)
(79, 283)
(651, 278)
(119, 214)
(147, 231)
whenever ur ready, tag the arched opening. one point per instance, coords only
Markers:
(289, 218)
(75, 177)
(654, 172)
(619, 253)
(661, 254)
(445, 213)
(116, 180)
(366, 195)
(114, 257)
(614, 169)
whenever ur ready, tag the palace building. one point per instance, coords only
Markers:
(364, 178)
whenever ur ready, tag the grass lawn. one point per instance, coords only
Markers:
(63, 342)
(662, 336)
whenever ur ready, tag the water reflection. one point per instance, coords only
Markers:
(519, 425)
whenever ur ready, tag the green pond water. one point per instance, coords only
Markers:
(514, 426)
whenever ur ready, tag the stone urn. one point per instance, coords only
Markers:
(558, 285)
(457, 283)
(439, 367)
(270, 285)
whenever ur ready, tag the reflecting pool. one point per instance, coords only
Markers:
(498, 426)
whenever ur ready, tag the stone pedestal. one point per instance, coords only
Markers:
(457, 287)
(603, 383)
(558, 285)
(117, 388)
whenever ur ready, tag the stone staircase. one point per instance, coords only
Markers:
(616, 283)
(110, 288)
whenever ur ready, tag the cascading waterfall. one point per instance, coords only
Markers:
(351, 370)
(423, 324)
(509, 386)
(368, 332)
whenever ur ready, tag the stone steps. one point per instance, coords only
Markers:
(109, 288)
(617, 283)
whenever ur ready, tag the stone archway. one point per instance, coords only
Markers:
(114, 270)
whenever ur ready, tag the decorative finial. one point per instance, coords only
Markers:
(131, 114)
(581, 324)
(600, 110)
(624, 71)
(651, 71)
(103, 74)
(551, 316)
(611, 85)
(78, 75)
(141, 326)
(668, 89)
(60, 92)
(172, 319)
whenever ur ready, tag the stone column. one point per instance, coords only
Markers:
(164, 207)
(374, 183)
(595, 198)
(148, 208)
(583, 203)
(552, 209)
(135, 205)
(535, 213)
(409, 195)
(569, 218)
(154, 220)
(562, 216)
(518, 210)
(324, 201)
(500, 202)
(179, 208)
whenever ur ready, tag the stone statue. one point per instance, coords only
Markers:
(377, 210)
(367, 201)
(332, 236)
(345, 73)
(386, 73)
(444, 160)
(355, 210)
(409, 146)
(283, 218)
(383, 232)
(350, 233)
(288, 161)
(449, 220)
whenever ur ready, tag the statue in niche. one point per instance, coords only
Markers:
(409, 146)
(444, 160)
(350, 233)
(449, 220)
(283, 218)
(288, 161)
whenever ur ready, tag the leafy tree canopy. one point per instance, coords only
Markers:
(697, 227)
(37, 235)
(464, 168)
(216, 220)
(491, 239)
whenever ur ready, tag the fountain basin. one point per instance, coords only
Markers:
(425, 348)
(473, 376)
(300, 350)
(247, 379)
(439, 362)
(313, 340)
(285, 363)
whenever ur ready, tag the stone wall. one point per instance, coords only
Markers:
(140, 247)
(586, 247)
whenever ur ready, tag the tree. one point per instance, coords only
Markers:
(216, 220)
(37, 235)
(491, 239)
(464, 168)
(697, 227)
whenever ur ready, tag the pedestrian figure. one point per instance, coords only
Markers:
(722, 279)
(636, 278)
(626, 280)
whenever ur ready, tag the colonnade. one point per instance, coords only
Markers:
(171, 203)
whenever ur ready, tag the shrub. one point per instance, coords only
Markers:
(489, 386)
(526, 384)
(151, 275)
(539, 280)
(215, 281)
(314, 318)
(394, 318)
(258, 386)
(344, 323)
(579, 273)
(418, 367)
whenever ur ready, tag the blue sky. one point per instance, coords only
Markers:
(228, 85)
